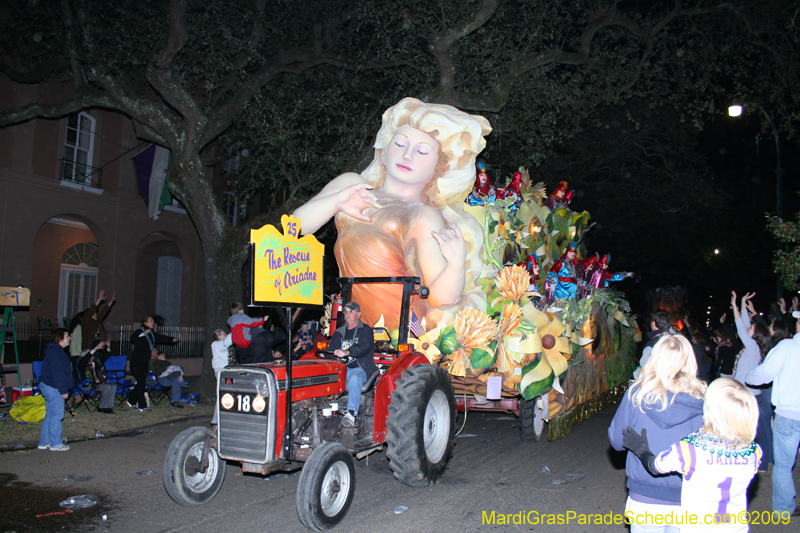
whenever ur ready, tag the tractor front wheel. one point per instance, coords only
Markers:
(326, 486)
(421, 425)
(184, 477)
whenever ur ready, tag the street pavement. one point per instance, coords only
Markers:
(491, 471)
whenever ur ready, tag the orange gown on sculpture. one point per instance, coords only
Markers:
(379, 249)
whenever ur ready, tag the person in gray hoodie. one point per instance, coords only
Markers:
(667, 401)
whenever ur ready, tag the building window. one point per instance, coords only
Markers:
(230, 203)
(78, 282)
(78, 150)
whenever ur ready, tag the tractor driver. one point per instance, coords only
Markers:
(354, 343)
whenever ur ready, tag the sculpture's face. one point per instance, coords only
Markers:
(571, 255)
(483, 178)
(411, 156)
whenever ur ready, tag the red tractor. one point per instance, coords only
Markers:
(407, 406)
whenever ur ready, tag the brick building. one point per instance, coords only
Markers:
(73, 221)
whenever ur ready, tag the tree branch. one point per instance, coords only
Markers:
(41, 73)
(441, 44)
(446, 92)
(177, 34)
(59, 110)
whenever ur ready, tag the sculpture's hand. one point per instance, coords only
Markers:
(353, 200)
(452, 244)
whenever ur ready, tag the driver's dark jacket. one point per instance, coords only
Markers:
(363, 348)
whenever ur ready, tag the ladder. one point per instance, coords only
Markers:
(6, 329)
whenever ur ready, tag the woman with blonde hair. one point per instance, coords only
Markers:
(717, 463)
(666, 401)
(404, 216)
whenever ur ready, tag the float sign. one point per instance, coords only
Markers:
(287, 269)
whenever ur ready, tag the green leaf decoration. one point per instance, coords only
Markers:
(535, 389)
(481, 358)
(448, 341)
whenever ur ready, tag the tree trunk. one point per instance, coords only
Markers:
(224, 250)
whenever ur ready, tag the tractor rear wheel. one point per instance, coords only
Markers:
(421, 425)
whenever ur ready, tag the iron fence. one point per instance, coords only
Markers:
(31, 340)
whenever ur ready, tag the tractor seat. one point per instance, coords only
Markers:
(370, 383)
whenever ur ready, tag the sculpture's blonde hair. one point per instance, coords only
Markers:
(671, 368)
(461, 138)
(730, 411)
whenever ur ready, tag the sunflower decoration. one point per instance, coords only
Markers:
(474, 331)
(509, 320)
(543, 372)
(512, 283)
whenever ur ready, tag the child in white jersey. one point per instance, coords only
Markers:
(717, 463)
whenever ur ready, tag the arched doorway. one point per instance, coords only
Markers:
(78, 279)
(65, 269)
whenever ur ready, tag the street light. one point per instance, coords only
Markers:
(735, 111)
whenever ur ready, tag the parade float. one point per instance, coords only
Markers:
(561, 346)
(518, 312)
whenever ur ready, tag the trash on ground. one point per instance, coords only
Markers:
(56, 513)
(99, 434)
(146, 473)
(76, 478)
(400, 509)
(467, 435)
(570, 477)
(545, 469)
(80, 502)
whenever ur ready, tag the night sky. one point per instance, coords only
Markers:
(746, 171)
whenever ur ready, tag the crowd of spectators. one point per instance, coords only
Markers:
(755, 359)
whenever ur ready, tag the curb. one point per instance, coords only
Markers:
(18, 446)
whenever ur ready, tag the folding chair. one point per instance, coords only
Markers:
(36, 366)
(115, 373)
(87, 393)
(156, 390)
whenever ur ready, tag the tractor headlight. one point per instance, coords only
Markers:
(227, 400)
(259, 404)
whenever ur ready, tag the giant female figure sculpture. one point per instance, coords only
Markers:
(403, 215)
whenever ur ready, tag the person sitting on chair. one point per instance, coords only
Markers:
(354, 343)
(168, 375)
(92, 368)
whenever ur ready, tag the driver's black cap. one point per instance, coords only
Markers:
(353, 306)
